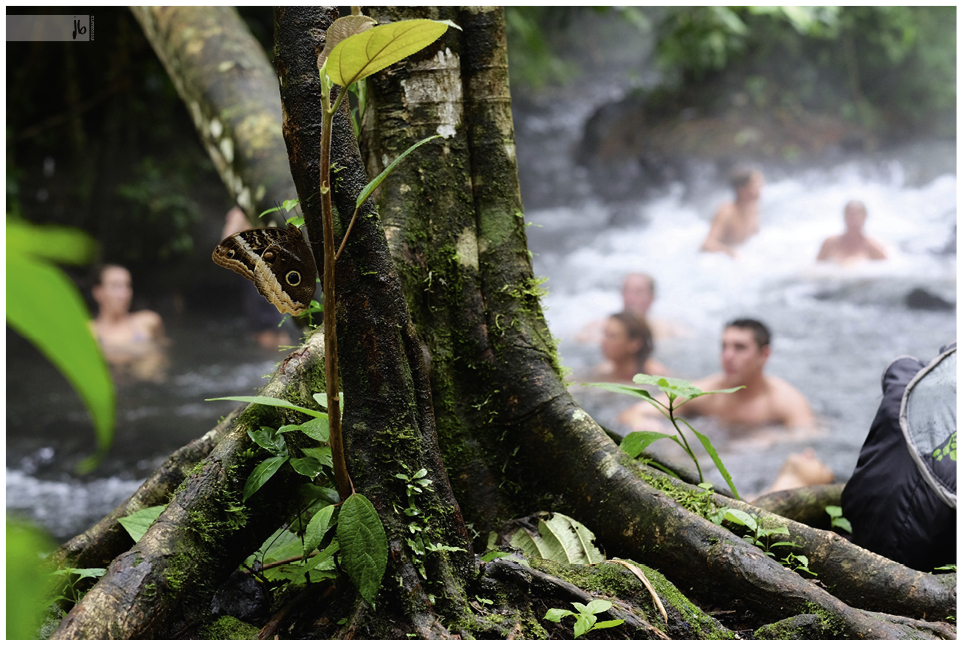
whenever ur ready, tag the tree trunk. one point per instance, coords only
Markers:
(447, 363)
(221, 73)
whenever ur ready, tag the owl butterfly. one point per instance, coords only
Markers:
(278, 262)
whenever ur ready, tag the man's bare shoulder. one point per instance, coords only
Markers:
(792, 407)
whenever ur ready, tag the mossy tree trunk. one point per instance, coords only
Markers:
(448, 365)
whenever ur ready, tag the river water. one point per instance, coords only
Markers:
(834, 329)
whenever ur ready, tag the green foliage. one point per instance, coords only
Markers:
(136, 524)
(559, 538)
(762, 537)
(860, 62)
(44, 307)
(363, 54)
(837, 520)
(674, 389)
(157, 203)
(72, 592)
(27, 582)
(364, 545)
(585, 619)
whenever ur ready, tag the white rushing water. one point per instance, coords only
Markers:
(834, 329)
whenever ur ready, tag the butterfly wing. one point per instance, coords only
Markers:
(278, 261)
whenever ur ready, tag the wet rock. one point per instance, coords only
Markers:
(922, 299)
(242, 597)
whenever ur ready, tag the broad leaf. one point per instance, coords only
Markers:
(307, 466)
(741, 517)
(556, 615)
(621, 388)
(323, 454)
(269, 439)
(44, 307)
(559, 538)
(267, 401)
(362, 55)
(137, 523)
(324, 561)
(604, 624)
(364, 545)
(317, 429)
(598, 606)
(636, 442)
(341, 29)
(583, 624)
(261, 474)
(319, 525)
(80, 573)
(714, 455)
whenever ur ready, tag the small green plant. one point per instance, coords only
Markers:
(585, 619)
(946, 567)
(71, 591)
(837, 520)
(762, 537)
(678, 392)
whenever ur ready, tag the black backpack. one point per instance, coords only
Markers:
(901, 499)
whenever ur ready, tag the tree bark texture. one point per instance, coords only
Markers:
(165, 582)
(389, 425)
(231, 92)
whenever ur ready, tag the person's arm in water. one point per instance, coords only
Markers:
(715, 240)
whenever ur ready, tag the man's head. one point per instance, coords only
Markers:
(854, 214)
(747, 183)
(638, 292)
(745, 349)
(112, 289)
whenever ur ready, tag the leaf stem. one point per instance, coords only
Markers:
(341, 478)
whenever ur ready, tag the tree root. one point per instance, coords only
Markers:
(164, 584)
(96, 547)
(806, 505)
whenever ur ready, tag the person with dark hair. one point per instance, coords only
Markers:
(638, 294)
(853, 245)
(131, 342)
(627, 347)
(738, 220)
(763, 400)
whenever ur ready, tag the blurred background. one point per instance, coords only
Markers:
(627, 122)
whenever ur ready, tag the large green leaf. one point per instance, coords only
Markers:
(137, 523)
(636, 442)
(269, 401)
(261, 474)
(364, 545)
(269, 439)
(27, 580)
(44, 307)
(364, 54)
(559, 538)
(319, 525)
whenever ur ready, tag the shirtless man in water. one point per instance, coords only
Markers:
(736, 221)
(130, 341)
(764, 400)
(852, 246)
